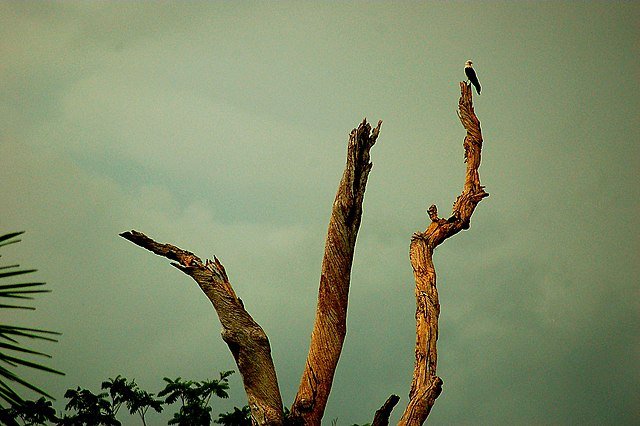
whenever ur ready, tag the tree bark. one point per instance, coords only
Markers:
(331, 312)
(426, 385)
(247, 341)
(381, 417)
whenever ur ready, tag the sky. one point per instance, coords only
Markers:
(221, 127)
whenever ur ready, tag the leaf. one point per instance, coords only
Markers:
(28, 308)
(7, 330)
(9, 266)
(16, 290)
(225, 374)
(9, 236)
(9, 395)
(13, 273)
(7, 374)
(21, 349)
(19, 361)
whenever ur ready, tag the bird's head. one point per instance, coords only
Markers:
(468, 63)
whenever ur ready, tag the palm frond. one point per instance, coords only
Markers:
(18, 361)
(31, 333)
(16, 290)
(12, 351)
(12, 273)
(9, 395)
(21, 349)
(9, 266)
(9, 375)
(19, 291)
(28, 308)
(6, 237)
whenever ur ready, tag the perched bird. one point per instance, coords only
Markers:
(471, 75)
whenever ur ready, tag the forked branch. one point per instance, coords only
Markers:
(426, 385)
(246, 339)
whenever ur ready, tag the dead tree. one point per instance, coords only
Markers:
(248, 342)
(426, 385)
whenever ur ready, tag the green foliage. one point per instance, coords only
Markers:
(239, 417)
(85, 408)
(137, 400)
(37, 412)
(195, 397)
(119, 390)
(91, 409)
(12, 352)
(141, 401)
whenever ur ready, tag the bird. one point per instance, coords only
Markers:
(471, 75)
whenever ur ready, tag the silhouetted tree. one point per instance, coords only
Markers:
(137, 400)
(91, 409)
(195, 398)
(120, 391)
(140, 403)
(86, 408)
(38, 412)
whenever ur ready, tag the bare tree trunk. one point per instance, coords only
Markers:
(246, 340)
(331, 313)
(426, 385)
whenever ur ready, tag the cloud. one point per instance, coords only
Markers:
(222, 128)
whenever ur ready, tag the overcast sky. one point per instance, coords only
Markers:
(222, 128)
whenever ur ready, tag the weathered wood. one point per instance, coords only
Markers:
(381, 417)
(331, 312)
(246, 340)
(426, 386)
